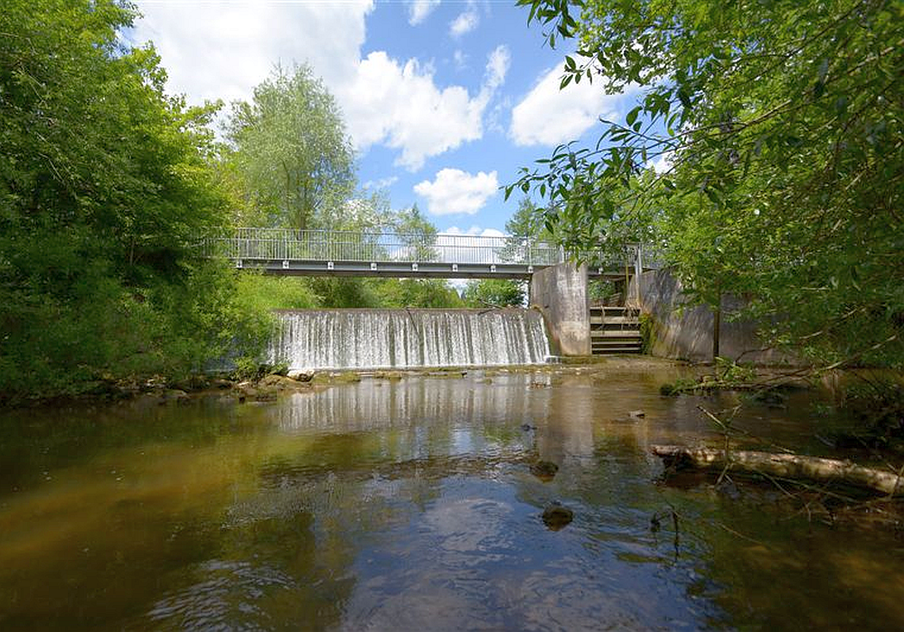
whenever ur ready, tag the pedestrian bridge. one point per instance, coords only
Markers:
(393, 254)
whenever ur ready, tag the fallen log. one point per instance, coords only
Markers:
(782, 465)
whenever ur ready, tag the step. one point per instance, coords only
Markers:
(604, 344)
(615, 350)
(613, 320)
(617, 344)
(615, 333)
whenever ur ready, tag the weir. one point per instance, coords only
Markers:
(409, 338)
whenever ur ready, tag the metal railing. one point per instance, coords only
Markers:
(281, 244)
(335, 245)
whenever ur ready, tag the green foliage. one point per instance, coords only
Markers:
(679, 386)
(290, 150)
(431, 293)
(730, 372)
(416, 233)
(247, 368)
(781, 123)
(494, 293)
(257, 292)
(104, 183)
(526, 225)
(250, 368)
(601, 290)
(529, 221)
(345, 292)
(877, 402)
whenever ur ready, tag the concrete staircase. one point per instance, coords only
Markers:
(614, 330)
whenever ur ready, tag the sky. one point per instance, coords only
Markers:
(444, 101)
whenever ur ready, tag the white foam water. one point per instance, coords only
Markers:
(390, 338)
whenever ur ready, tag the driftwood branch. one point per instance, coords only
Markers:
(783, 465)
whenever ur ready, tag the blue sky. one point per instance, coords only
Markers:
(444, 101)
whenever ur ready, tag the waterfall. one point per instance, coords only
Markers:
(400, 338)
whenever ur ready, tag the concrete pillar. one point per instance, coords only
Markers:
(560, 293)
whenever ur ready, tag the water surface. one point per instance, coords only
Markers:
(410, 505)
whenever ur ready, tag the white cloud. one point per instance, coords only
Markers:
(497, 66)
(420, 9)
(549, 116)
(399, 105)
(456, 191)
(223, 49)
(474, 231)
(382, 183)
(661, 164)
(466, 22)
(460, 59)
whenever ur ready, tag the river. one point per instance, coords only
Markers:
(410, 505)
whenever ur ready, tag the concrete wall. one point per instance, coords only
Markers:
(687, 333)
(560, 293)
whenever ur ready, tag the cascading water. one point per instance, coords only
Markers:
(372, 339)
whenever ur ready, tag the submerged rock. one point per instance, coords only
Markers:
(556, 517)
(266, 395)
(771, 398)
(544, 470)
(175, 395)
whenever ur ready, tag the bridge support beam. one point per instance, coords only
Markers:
(560, 293)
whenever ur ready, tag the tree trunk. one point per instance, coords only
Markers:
(783, 465)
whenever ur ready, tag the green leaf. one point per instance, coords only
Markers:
(632, 115)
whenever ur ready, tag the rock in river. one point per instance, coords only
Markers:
(556, 517)
(544, 470)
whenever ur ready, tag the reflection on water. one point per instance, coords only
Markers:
(411, 505)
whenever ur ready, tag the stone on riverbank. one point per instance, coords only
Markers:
(301, 375)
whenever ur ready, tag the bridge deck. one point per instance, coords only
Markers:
(390, 254)
(294, 267)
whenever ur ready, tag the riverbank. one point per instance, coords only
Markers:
(268, 385)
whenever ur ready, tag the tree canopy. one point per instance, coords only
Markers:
(104, 182)
(764, 154)
(291, 151)
(494, 293)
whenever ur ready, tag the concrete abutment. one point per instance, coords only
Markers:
(560, 293)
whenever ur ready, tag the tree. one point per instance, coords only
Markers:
(105, 182)
(291, 150)
(416, 233)
(430, 293)
(777, 132)
(494, 293)
(529, 221)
